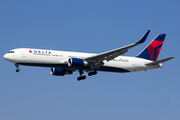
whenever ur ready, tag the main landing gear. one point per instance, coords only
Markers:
(92, 73)
(17, 66)
(82, 77)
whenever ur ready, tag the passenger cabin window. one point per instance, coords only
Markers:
(11, 52)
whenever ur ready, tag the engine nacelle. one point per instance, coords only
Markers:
(76, 62)
(60, 71)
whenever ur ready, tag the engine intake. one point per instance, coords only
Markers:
(60, 71)
(76, 62)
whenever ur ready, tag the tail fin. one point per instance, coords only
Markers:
(152, 51)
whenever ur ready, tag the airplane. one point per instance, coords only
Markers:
(65, 63)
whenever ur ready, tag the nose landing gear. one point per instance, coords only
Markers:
(17, 70)
(17, 66)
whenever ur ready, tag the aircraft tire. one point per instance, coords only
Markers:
(79, 78)
(17, 70)
(90, 73)
(95, 72)
(83, 77)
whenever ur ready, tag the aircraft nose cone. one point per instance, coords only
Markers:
(5, 56)
(9, 57)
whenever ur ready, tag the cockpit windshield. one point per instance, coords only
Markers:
(11, 52)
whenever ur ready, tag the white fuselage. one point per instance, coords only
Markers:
(59, 59)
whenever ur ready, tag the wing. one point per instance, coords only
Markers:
(97, 60)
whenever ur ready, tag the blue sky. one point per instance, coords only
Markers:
(89, 26)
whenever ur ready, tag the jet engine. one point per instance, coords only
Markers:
(60, 71)
(76, 62)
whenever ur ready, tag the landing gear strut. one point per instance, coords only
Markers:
(81, 77)
(17, 66)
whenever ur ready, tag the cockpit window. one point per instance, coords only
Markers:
(11, 52)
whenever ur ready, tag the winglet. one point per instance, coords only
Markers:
(143, 38)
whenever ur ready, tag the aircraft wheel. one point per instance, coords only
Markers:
(79, 78)
(90, 73)
(17, 70)
(95, 72)
(83, 77)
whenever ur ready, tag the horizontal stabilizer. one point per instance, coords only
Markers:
(160, 61)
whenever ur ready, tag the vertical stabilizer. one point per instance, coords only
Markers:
(152, 51)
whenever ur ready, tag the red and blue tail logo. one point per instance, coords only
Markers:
(152, 51)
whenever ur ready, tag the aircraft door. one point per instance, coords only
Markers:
(23, 54)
